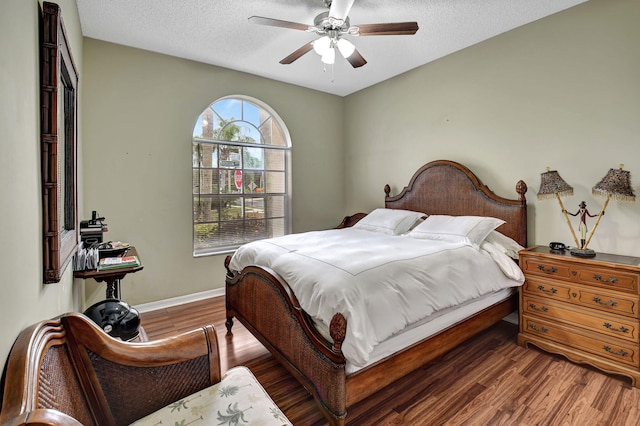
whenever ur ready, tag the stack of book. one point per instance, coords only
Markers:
(109, 263)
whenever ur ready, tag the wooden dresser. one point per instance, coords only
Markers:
(585, 309)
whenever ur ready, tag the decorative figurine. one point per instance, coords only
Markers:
(583, 212)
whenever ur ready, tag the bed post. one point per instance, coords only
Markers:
(269, 310)
(229, 322)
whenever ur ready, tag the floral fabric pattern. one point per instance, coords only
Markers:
(237, 400)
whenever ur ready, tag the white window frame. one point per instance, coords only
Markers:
(213, 193)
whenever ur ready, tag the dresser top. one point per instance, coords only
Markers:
(599, 258)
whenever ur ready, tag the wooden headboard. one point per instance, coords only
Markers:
(449, 188)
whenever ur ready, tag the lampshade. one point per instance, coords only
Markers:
(322, 45)
(617, 184)
(551, 185)
(329, 57)
(346, 47)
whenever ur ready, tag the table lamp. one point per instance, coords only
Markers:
(553, 186)
(616, 184)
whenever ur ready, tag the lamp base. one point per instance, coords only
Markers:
(582, 252)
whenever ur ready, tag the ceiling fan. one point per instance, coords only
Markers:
(332, 26)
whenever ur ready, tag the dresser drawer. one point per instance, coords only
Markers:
(601, 276)
(606, 301)
(607, 278)
(611, 349)
(590, 297)
(610, 325)
(547, 289)
(546, 267)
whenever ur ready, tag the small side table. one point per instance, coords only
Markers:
(110, 277)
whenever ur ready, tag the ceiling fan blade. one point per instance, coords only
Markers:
(391, 28)
(355, 59)
(260, 20)
(297, 54)
(340, 8)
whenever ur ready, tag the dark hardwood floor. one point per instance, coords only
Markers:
(488, 380)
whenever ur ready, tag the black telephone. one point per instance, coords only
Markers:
(557, 246)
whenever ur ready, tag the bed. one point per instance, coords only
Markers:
(312, 348)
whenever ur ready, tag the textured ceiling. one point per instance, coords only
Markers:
(217, 32)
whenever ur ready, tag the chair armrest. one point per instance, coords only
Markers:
(42, 417)
(168, 351)
(72, 367)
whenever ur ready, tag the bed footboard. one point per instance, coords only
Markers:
(267, 307)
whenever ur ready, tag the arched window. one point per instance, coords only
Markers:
(241, 175)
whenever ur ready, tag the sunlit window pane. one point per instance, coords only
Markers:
(254, 158)
(205, 236)
(251, 113)
(253, 182)
(230, 232)
(230, 156)
(275, 182)
(208, 182)
(276, 206)
(255, 230)
(231, 208)
(228, 108)
(275, 227)
(230, 181)
(206, 123)
(275, 159)
(254, 208)
(206, 209)
(277, 137)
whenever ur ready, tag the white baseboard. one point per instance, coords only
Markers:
(160, 304)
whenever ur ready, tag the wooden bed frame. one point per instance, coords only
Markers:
(265, 304)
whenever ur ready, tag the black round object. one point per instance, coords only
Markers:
(116, 318)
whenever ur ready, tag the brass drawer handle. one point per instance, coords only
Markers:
(535, 308)
(553, 290)
(611, 280)
(541, 329)
(621, 352)
(622, 329)
(610, 303)
(550, 270)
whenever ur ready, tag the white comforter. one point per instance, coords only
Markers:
(380, 283)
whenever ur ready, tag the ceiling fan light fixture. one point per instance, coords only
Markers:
(346, 47)
(322, 45)
(330, 26)
(329, 56)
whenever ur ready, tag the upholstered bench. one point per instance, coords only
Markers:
(238, 399)
(67, 371)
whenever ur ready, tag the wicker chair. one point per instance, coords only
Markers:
(67, 371)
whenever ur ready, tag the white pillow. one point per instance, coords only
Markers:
(507, 265)
(458, 229)
(389, 221)
(504, 243)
